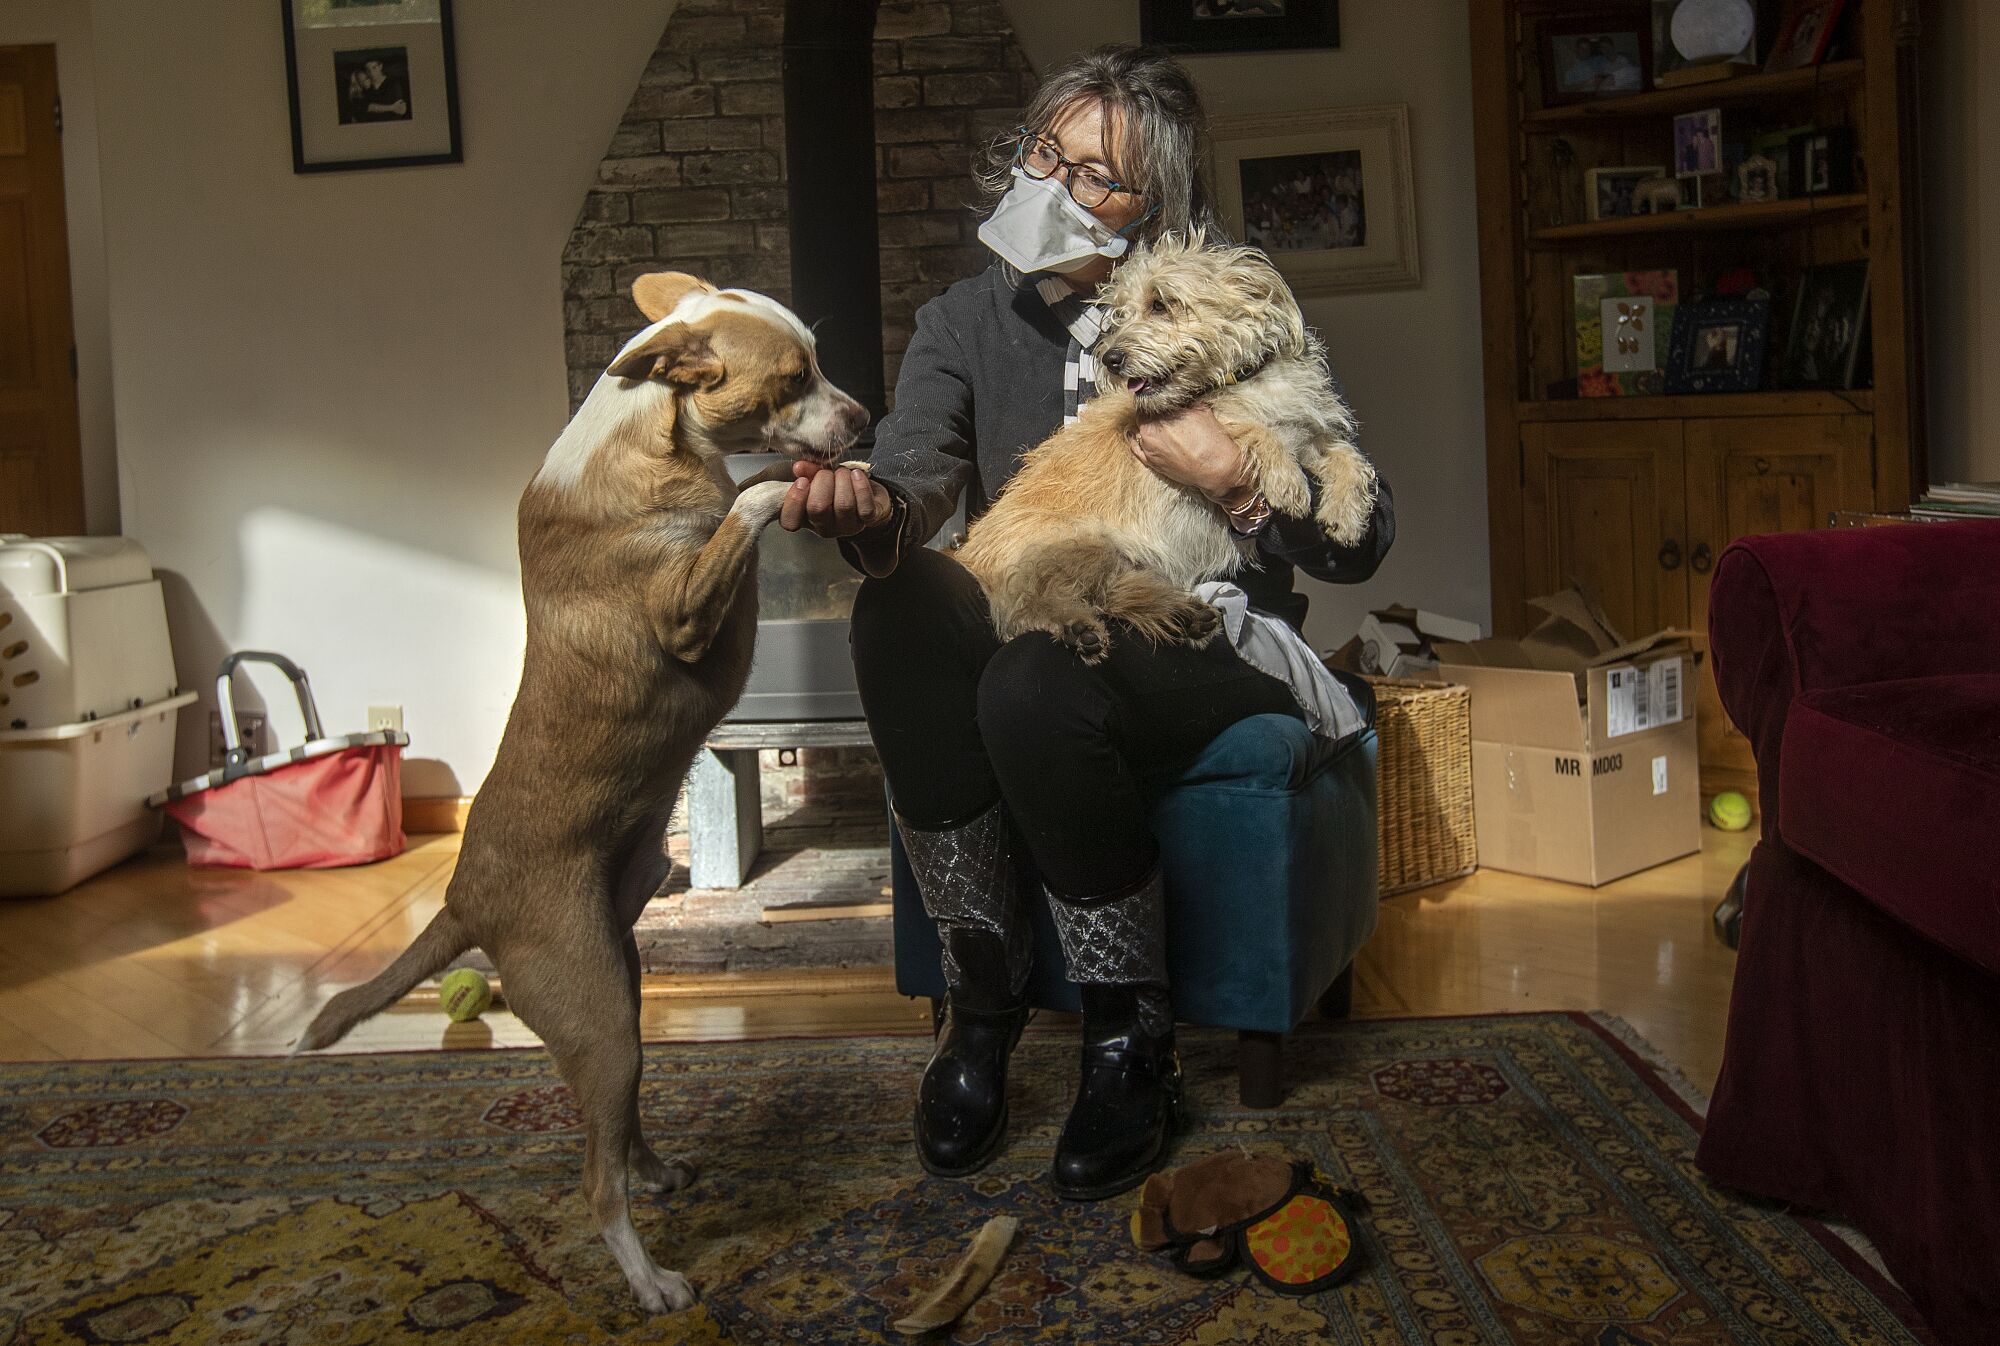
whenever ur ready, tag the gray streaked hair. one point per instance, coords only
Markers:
(1160, 149)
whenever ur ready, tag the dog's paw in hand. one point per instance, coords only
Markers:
(760, 504)
(1089, 639)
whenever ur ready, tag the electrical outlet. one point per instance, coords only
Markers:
(385, 717)
(249, 733)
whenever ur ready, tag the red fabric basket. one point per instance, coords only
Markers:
(326, 803)
(342, 809)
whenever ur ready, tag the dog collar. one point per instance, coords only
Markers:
(1244, 373)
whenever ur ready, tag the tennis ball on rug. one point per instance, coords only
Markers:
(1729, 811)
(465, 994)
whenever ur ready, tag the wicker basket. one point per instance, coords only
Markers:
(1424, 814)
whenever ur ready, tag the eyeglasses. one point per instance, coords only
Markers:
(1039, 157)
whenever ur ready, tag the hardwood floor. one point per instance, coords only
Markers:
(155, 959)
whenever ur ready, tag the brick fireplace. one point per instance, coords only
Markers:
(695, 180)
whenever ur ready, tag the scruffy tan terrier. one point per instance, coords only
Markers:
(1085, 534)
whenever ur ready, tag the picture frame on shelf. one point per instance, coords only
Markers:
(372, 83)
(1822, 161)
(1757, 180)
(1201, 27)
(1591, 56)
(1610, 193)
(1829, 340)
(1328, 194)
(1805, 32)
(1718, 345)
(1623, 324)
(1777, 146)
(1698, 143)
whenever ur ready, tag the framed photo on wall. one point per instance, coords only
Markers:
(1328, 194)
(373, 83)
(1198, 26)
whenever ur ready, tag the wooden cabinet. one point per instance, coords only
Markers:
(1634, 498)
(1602, 512)
(1635, 513)
(1775, 475)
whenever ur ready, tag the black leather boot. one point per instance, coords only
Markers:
(1129, 1097)
(1128, 1101)
(962, 1101)
(970, 887)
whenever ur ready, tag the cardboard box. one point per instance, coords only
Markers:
(1584, 759)
(1398, 642)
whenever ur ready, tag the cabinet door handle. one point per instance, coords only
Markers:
(1702, 561)
(1670, 554)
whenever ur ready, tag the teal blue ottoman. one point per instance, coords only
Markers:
(1268, 841)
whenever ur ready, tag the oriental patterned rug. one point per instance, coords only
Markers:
(1529, 1180)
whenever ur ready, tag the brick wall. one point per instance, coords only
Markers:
(694, 179)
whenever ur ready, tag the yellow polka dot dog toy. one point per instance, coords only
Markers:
(1296, 1233)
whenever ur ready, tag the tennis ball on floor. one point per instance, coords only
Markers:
(465, 994)
(1729, 811)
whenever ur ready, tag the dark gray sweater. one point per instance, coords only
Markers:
(982, 383)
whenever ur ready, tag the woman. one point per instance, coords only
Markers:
(994, 750)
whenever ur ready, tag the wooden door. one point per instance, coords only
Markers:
(1777, 474)
(1602, 511)
(41, 473)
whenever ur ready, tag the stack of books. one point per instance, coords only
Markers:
(1980, 499)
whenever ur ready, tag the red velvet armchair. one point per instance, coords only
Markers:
(1861, 1075)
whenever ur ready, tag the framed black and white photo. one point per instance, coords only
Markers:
(373, 83)
(1199, 26)
(1328, 194)
(1718, 345)
(1822, 161)
(1827, 346)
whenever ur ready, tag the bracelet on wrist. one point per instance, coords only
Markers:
(1249, 518)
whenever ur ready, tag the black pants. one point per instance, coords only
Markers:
(961, 720)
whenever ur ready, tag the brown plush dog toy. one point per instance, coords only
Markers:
(1294, 1232)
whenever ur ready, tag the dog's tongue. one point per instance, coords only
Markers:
(1135, 385)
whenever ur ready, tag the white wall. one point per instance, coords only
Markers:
(67, 25)
(1962, 136)
(331, 388)
(1410, 359)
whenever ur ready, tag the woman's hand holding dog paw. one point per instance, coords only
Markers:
(834, 502)
(1192, 448)
(760, 504)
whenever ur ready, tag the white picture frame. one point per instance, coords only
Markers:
(1331, 194)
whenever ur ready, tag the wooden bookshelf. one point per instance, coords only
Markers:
(1778, 402)
(1760, 215)
(1780, 86)
(1634, 498)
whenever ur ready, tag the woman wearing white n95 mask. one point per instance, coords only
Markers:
(1012, 760)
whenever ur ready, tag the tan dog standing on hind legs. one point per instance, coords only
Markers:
(638, 569)
(1085, 534)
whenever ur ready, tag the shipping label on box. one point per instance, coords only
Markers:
(1637, 699)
